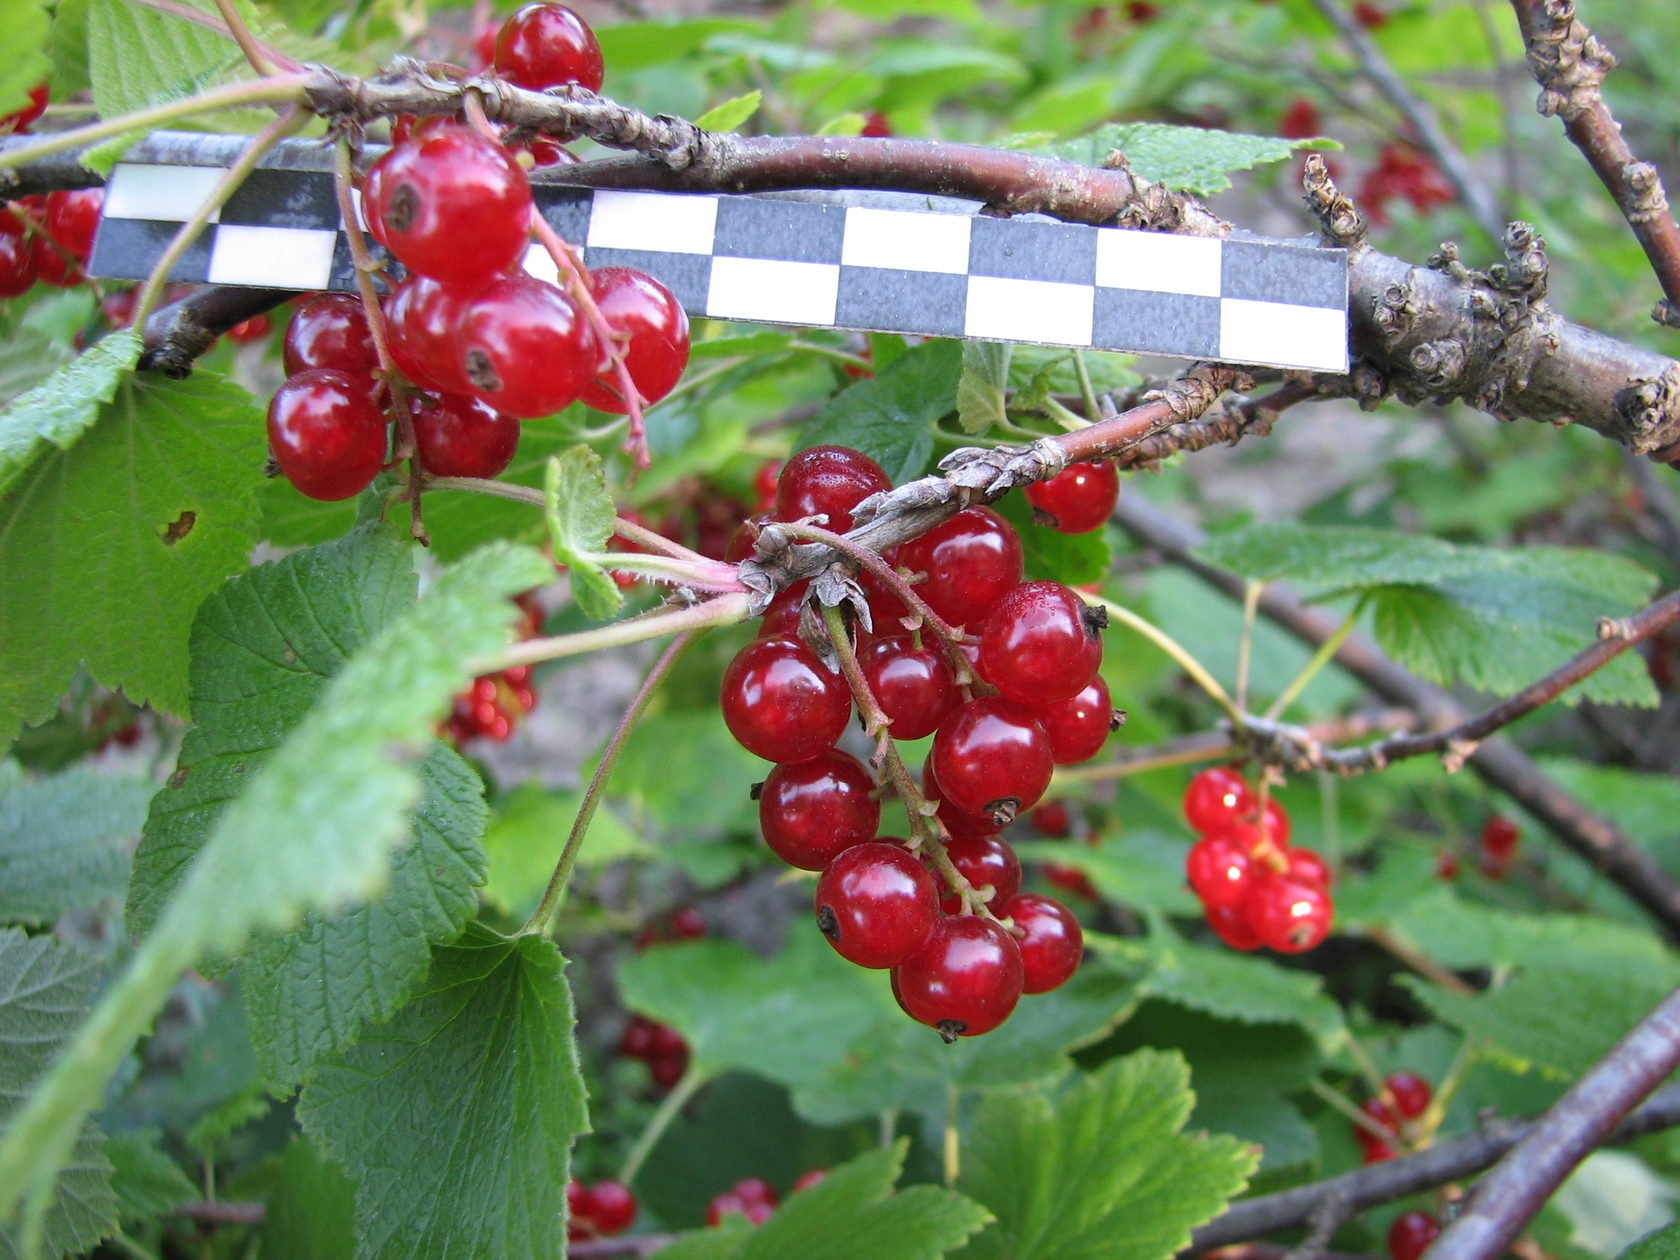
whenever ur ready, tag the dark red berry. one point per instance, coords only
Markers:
(1289, 915)
(453, 205)
(983, 860)
(1052, 942)
(783, 704)
(1039, 644)
(637, 1040)
(811, 811)
(330, 330)
(1078, 499)
(1078, 727)
(781, 618)
(463, 437)
(956, 821)
(545, 45)
(1411, 1093)
(876, 903)
(1500, 837)
(1219, 871)
(525, 348)
(827, 480)
(1300, 121)
(249, 330)
(327, 433)
(17, 265)
(914, 685)
(1052, 820)
(1410, 1235)
(612, 1206)
(654, 329)
(968, 561)
(964, 980)
(1216, 798)
(68, 225)
(1308, 866)
(992, 759)
(1230, 925)
(423, 319)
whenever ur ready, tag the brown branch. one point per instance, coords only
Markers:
(1498, 762)
(177, 334)
(1439, 1165)
(1570, 65)
(1459, 741)
(223, 1212)
(1252, 417)
(1578, 1123)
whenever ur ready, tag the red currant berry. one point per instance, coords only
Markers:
(830, 481)
(545, 45)
(249, 330)
(1078, 499)
(1052, 943)
(1216, 798)
(1289, 915)
(21, 119)
(1376, 1141)
(1307, 866)
(637, 1040)
(1220, 872)
(330, 330)
(17, 266)
(983, 860)
(1446, 865)
(69, 223)
(327, 433)
(781, 618)
(915, 686)
(811, 811)
(580, 1224)
(1230, 925)
(612, 1206)
(783, 704)
(808, 1179)
(463, 437)
(964, 980)
(1500, 837)
(764, 486)
(654, 329)
(1078, 727)
(665, 1070)
(525, 348)
(992, 759)
(955, 820)
(1040, 643)
(1411, 1093)
(968, 561)
(423, 319)
(1410, 1235)
(1052, 820)
(876, 904)
(454, 206)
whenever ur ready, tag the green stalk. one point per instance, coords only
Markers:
(722, 610)
(1326, 651)
(1179, 653)
(661, 1119)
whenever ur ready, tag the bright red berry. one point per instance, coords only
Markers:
(1289, 915)
(1500, 837)
(1410, 1235)
(1079, 726)
(1040, 643)
(965, 979)
(1052, 942)
(1216, 798)
(1230, 924)
(452, 205)
(783, 704)
(655, 337)
(17, 265)
(968, 561)
(612, 1206)
(1220, 872)
(68, 224)
(992, 759)
(20, 120)
(327, 433)
(914, 685)
(1308, 866)
(1078, 499)
(423, 319)
(812, 810)
(827, 480)
(330, 330)
(956, 821)
(1411, 1093)
(525, 348)
(876, 904)
(983, 860)
(545, 45)
(808, 1179)
(463, 437)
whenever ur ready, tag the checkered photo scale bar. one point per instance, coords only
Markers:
(781, 259)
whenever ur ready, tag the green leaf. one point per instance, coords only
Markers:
(890, 416)
(1195, 159)
(639, 45)
(456, 1118)
(28, 356)
(854, 1212)
(732, 113)
(64, 843)
(980, 391)
(524, 840)
(580, 521)
(23, 34)
(1461, 936)
(315, 830)
(148, 1183)
(1662, 1244)
(1048, 554)
(67, 49)
(139, 57)
(1103, 1170)
(61, 408)
(45, 987)
(311, 1209)
(107, 549)
(1326, 559)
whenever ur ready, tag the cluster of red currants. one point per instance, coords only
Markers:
(1255, 889)
(1404, 171)
(659, 1046)
(488, 344)
(598, 1211)
(1411, 1234)
(1019, 697)
(492, 706)
(755, 1198)
(44, 238)
(1404, 1097)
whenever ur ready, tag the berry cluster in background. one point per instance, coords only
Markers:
(492, 706)
(1256, 889)
(1001, 672)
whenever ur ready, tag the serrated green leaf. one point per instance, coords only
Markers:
(107, 549)
(315, 830)
(639, 45)
(148, 1183)
(61, 408)
(311, 1209)
(1196, 159)
(67, 50)
(580, 521)
(23, 34)
(525, 837)
(64, 843)
(140, 57)
(890, 416)
(45, 988)
(1101, 1172)
(1325, 559)
(980, 390)
(1662, 1244)
(854, 1212)
(1052, 556)
(684, 768)
(1460, 935)
(456, 1118)
(732, 113)
(28, 356)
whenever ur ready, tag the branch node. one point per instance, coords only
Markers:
(1457, 752)
(1650, 410)
(1337, 216)
(1614, 628)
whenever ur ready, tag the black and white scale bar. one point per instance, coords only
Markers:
(792, 259)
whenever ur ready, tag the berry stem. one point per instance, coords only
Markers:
(669, 1108)
(1093, 409)
(542, 918)
(1245, 643)
(248, 44)
(1325, 654)
(1179, 653)
(720, 610)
